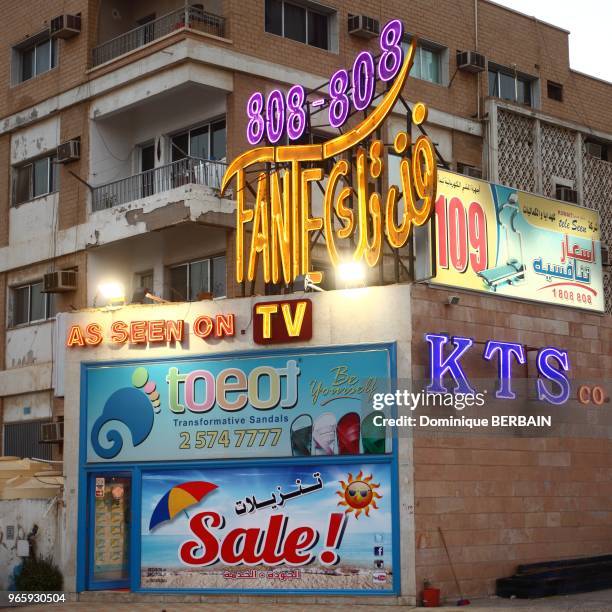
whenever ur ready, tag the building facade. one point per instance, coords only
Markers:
(118, 123)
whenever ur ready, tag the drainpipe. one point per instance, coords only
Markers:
(476, 49)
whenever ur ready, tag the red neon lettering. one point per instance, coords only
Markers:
(93, 334)
(119, 332)
(75, 337)
(174, 330)
(224, 325)
(138, 332)
(203, 326)
(157, 331)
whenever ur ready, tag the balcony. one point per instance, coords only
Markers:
(186, 171)
(191, 17)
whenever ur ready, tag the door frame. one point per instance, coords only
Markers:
(90, 583)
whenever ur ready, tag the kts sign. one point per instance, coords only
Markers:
(279, 222)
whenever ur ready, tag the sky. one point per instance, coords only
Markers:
(589, 24)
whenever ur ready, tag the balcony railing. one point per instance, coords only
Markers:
(191, 17)
(177, 174)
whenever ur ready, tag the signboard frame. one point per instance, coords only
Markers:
(136, 470)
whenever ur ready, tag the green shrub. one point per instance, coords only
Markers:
(39, 574)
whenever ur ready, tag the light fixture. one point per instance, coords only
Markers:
(113, 292)
(310, 285)
(453, 300)
(351, 273)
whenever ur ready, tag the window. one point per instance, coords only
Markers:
(428, 61)
(298, 22)
(34, 57)
(34, 179)
(30, 304)
(188, 282)
(204, 142)
(510, 85)
(554, 91)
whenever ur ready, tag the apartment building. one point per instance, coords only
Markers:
(118, 119)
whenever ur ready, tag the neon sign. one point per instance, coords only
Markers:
(280, 221)
(553, 385)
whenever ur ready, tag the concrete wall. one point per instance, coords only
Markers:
(375, 314)
(22, 515)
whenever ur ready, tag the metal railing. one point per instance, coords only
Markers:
(191, 17)
(177, 174)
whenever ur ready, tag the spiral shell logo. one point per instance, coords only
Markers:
(134, 407)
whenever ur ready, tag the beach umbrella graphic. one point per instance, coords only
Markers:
(178, 498)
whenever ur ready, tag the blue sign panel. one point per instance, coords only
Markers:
(263, 405)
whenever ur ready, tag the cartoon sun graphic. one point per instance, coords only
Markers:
(358, 494)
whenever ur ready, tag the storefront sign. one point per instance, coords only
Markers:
(307, 527)
(298, 404)
(496, 239)
(279, 221)
(147, 332)
(282, 322)
(445, 355)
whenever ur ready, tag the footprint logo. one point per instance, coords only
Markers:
(135, 407)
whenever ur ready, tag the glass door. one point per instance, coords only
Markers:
(109, 530)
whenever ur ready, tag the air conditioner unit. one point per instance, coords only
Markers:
(69, 151)
(468, 170)
(60, 281)
(52, 432)
(362, 26)
(65, 26)
(566, 194)
(605, 255)
(470, 61)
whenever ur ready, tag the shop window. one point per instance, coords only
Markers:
(198, 280)
(34, 179)
(511, 85)
(207, 141)
(23, 440)
(29, 304)
(299, 22)
(34, 57)
(554, 91)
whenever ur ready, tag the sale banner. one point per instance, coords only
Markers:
(496, 239)
(311, 526)
(294, 404)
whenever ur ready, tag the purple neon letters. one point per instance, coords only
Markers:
(287, 114)
(557, 392)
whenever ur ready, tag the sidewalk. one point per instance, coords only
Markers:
(600, 601)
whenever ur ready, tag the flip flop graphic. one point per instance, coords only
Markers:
(324, 435)
(348, 434)
(301, 436)
(373, 437)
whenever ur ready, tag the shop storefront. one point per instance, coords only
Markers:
(225, 466)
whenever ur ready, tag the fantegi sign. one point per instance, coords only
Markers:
(298, 404)
(280, 222)
(307, 527)
(496, 239)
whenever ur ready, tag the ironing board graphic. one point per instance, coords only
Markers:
(513, 271)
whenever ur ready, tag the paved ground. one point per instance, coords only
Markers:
(601, 601)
